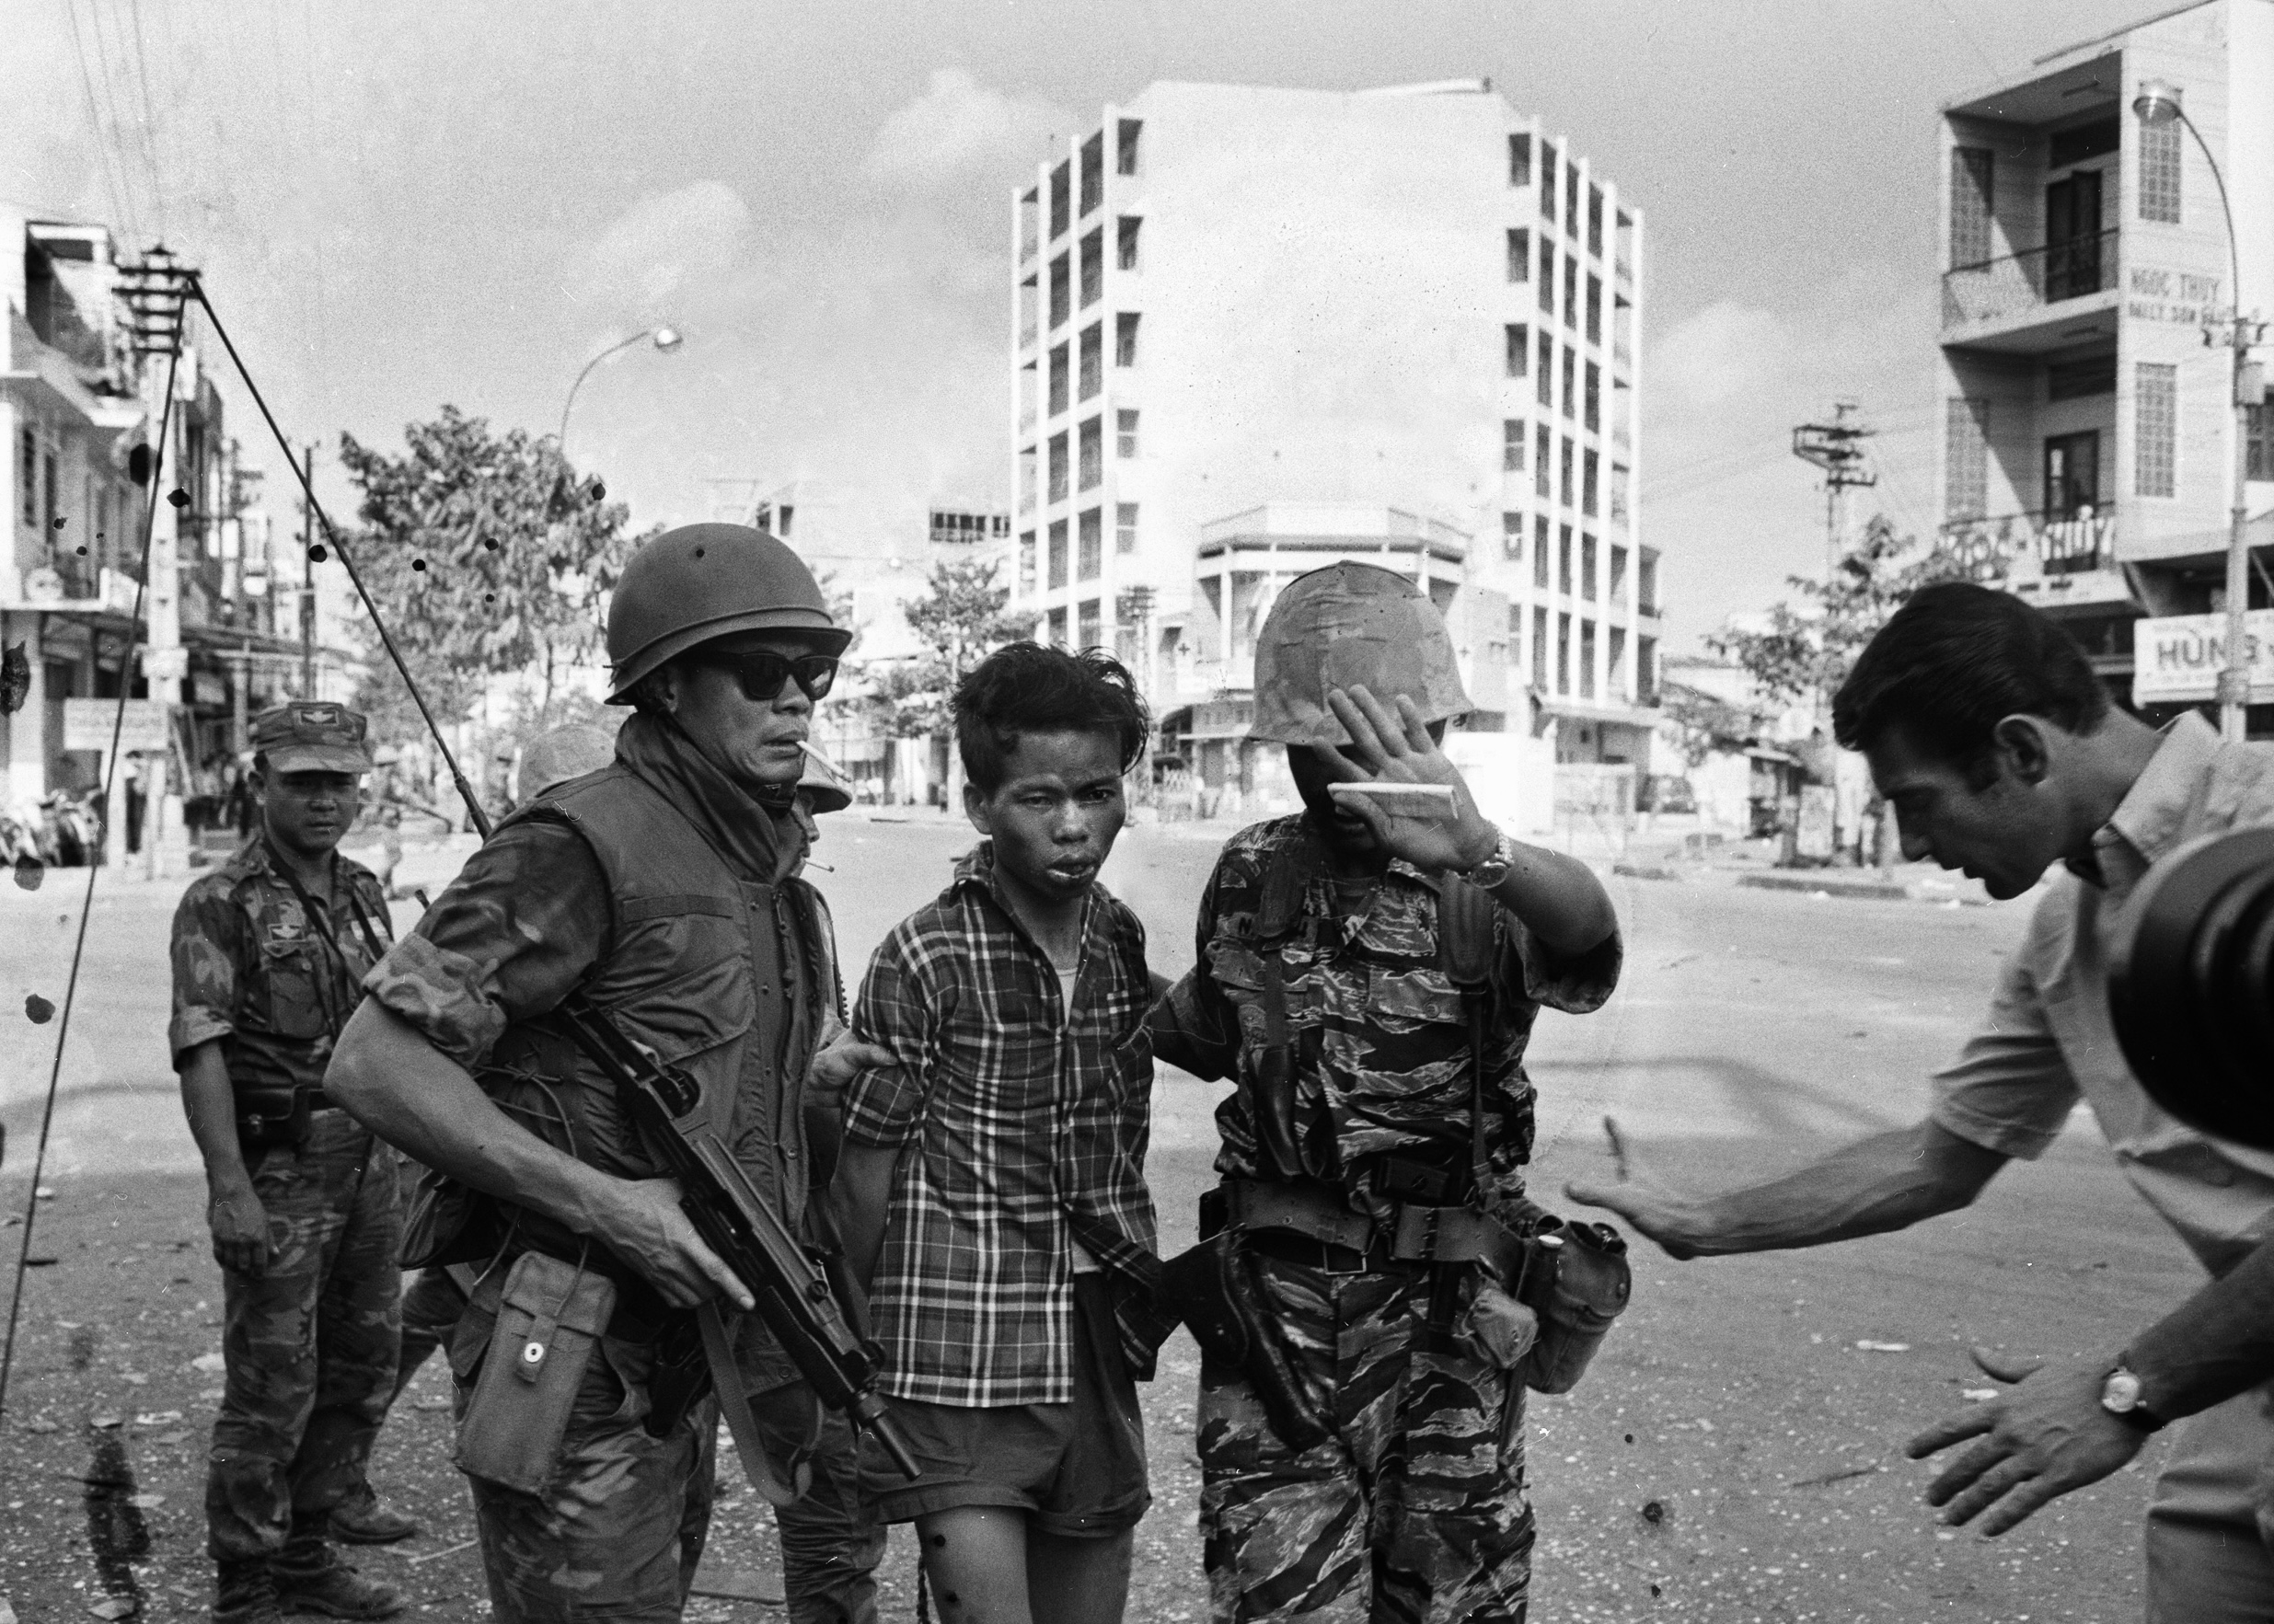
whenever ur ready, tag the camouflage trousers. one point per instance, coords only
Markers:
(1413, 1511)
(310, 1345)
(620, 1531)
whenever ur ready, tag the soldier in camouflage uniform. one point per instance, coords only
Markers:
(1321, 988)
(268, 953)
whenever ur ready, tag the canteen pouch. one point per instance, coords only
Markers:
(549, 1316)
(1214, 1289)
(272, 1113)
(1577, 1288)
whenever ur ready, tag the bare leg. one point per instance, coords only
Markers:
(976, 1558)
(1078, 1581)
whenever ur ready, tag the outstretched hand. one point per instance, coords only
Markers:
(2048, 1437)
(1397, 748)
(1666, 1217)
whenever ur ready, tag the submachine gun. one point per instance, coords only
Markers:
(790, 1283)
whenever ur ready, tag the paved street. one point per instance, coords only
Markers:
(1731, 1456)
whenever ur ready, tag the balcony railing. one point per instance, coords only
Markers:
(2019, 284)
(2054, 544)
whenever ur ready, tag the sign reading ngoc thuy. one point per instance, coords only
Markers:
(2176, 661)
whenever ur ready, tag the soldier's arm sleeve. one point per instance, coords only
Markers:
(1193, 1024)
(898, 1011)
(2011, 1090)
(1577, 984)
(208, 940)
(516, 932)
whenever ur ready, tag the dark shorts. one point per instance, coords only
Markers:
(1078, 1470)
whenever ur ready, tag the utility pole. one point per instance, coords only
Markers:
(307, 585)
(1837, 448)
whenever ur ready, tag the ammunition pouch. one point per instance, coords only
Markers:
(1216, 1290)
(1577, 1282)
(550, 1315)
(273, 1113)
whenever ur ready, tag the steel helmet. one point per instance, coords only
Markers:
(1350, 625)
(703, 581)
(822, 785)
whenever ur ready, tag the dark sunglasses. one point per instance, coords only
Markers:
(761, 673)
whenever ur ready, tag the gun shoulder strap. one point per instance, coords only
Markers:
(742, 1426)
(1467, 918)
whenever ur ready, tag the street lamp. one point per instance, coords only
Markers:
(2156, 105)
(666, 339)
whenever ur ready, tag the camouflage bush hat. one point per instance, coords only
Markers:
(312, 736)
(1350, 625)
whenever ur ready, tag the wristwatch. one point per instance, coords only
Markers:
(1488, 874)
(2119, 1395)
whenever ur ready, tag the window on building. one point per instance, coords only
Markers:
(1061, 199)
(1124, 526)
(1091, 628)
(2155, 429)
(1615, 657)
(1593, 415)
(1590, 463)
(1542, 468)
(1512, 446)
(1620, 475)
(1546, 389)
(1587, 567)
(1026, 563)
(1539, 649)
(1519, 160)
(1570, 484)
(1570, 383)
(1093, 172)
(1616, 589)
(1125, 339)
(1512, 536)
(1973, 195)
(1090, 556)
(1571, 292)
(1563, 560)
(2261, 444)
(27, 475)
(1061, 467)
(1124, 434)
(1645, 670)
(2160, 153)
(1547, 181)
(1516, 637)
(1586, 659)
(1595, 221)
(1058, 554)
(1966, 458)
(1092, 454)
(1541, 553)
(1125, 146)
(1518, 348)
(1547, 275)
(1092, 268)
(1061, 290)
(1563, 653)
(1060, 380)
(1647, 582)
(1092, 359)
(1519, 256)
(1056, 633)
(1595, 310)
(1125, 241)
(1571, 197)
(54, 498)
(1027, 460)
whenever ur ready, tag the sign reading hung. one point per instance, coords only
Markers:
(2176, 660)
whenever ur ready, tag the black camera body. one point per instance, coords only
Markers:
(2191, 986)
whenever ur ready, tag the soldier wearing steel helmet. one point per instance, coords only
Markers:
(1368, 974)
(663, 889)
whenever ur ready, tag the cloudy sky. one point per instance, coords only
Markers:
(398, 206)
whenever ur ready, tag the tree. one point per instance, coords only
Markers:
(486, 558)
(1806, 653)
(961, 618)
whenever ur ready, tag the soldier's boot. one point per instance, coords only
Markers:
(309, 1578)
(244, 1594)
(360, 1519)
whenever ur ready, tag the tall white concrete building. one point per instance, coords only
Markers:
(2088, 448)
(1254, 330)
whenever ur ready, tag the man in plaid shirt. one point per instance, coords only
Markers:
(997, 1164)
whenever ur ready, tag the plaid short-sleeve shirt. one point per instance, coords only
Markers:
(1025, 1132)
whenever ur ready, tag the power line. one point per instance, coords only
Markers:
(118, 124)
(95, 118)
(150, 118)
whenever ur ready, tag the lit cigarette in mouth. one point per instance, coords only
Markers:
(1390, 790)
